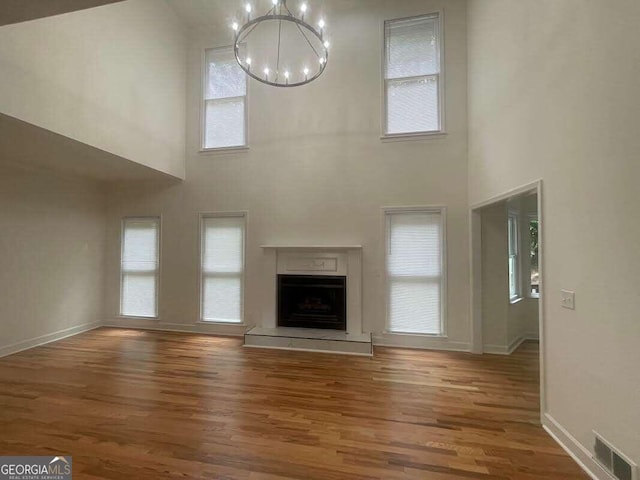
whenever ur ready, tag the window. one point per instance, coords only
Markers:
(533, 253)
(225, 101)
(514, 259)
(415, 271)
(140, 267)
(222, 267)
(412, 75)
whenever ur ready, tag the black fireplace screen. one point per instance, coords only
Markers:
(312, 301)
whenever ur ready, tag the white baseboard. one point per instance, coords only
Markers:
(232, 330)
(48, 338)
(575, 449)
(423, 342)
(507, 349)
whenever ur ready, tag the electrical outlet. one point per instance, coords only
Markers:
(568, 299)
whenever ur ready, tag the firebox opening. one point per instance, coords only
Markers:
(312, 301)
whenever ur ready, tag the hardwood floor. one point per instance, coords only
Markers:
(130, 404)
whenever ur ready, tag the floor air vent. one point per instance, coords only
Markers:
(613, 461)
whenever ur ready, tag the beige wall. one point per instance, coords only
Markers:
(52, 255)
(553, 90)
(495, 279)
(316, 172)
(112, 77)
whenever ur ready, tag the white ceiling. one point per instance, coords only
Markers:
(212, 12)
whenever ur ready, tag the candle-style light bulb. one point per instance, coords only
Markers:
(234, 26)
(248, 7)
(248, 61)
(321, 24)
(321, 60)
(286, 76)
(275, 2)
(303, 10)
(306, 73)
(326, 44)
(266, 73)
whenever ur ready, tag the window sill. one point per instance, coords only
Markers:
(513, 301)
(223, 150)
(134, 317)
(413, 334)
(213, 322)
(399, 137)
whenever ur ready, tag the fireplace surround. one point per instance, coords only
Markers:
(315, 261)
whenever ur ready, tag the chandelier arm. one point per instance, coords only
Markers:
(308, 41)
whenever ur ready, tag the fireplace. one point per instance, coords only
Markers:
(312, 301)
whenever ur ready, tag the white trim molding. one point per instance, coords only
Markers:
(47, 338)
(206, 328)
(575, 449)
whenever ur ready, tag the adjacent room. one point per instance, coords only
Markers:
(319, 239)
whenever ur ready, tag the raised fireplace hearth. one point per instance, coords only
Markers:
(312, 301)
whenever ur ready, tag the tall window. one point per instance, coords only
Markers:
(533, 253)
(222, 267)
(514, 258)
(415, 272)
(140, 267)
(412, 75)
(225, 101)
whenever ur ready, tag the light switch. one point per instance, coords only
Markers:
(568, 299)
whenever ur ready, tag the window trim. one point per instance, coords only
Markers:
(225, 214)
(203, 109)
(384, 136)
(442, 210)
(158, 276)
(518, 258)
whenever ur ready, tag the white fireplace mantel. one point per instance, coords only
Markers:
(343, 260)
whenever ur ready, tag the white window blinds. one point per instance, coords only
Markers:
(415, 271)
(412, 75)
(225, 99)
(222, 268)
(139, 267)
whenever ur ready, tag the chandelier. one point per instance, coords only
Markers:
(279, 48)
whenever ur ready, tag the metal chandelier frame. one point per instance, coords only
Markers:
(303, 27)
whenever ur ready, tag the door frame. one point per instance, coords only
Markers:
(475, 248)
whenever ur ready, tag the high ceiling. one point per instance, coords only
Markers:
(14, 11)
(212, 12)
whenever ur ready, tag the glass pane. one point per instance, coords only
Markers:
(513, 283)
(535, 273)
(140, 245)
(415, 307)
(139, 295)
(223, 245)
(224, 124)
(412, 105)
(412, 47)
(224, 77)
(414, 244)
(222, 299)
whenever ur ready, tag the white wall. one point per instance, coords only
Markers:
(553, 94)
(112, 77)
(495, 279)
(316, 172)
(52, 255)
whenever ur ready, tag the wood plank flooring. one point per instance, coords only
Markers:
(130, 404)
